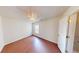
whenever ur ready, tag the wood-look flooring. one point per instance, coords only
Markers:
(31, 44)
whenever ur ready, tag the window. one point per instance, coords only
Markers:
(37, 28)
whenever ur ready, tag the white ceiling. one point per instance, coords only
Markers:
(11, 12)
(43, 12)
(46, 11)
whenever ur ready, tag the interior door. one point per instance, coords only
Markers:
(63, 25)
(71, 32)
(76, 39)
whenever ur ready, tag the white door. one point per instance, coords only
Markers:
(71, 32)
(63, 25)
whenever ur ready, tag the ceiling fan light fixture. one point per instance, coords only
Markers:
(31, 14)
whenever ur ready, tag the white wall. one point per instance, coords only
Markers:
(1, 35)
(15, 29)
(14, 24)
(48, 29)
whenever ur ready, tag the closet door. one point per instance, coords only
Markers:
(71, 32)
(63, 25)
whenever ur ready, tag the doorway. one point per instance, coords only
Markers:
(67, 27)
(76, 38)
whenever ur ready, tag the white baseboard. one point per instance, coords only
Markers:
(15, 40)
(46, 39)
